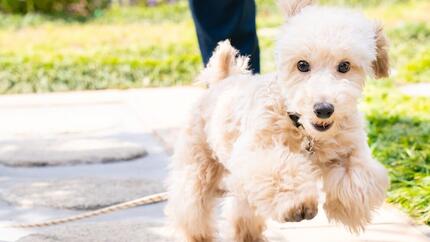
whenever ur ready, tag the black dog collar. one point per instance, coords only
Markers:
(295, 118)
(309, 146)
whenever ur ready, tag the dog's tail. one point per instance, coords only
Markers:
(225, 61)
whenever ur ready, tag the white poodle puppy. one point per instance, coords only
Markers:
(267, 139)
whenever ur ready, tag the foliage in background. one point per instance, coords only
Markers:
(140, 46)
(411, 51)
(126, 47)
(75, 8)
(362, 3)
(417, 70)
(399, 134)
(176, 12)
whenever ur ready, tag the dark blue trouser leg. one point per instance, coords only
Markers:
(217, 20)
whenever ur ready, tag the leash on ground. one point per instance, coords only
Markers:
(154, 198)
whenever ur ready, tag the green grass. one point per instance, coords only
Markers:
(120, 48)
(112, 51)
(121, 67)
(417, 69)
(140, 47)
(399, 134)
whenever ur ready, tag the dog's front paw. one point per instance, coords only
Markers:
(306, 210)
(294, 205)
(285, 201)
(277, 183)
(353, 194)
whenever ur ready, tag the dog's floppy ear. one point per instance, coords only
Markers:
(381, 66)
(293, 7)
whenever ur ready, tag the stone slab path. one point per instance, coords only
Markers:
(37, 187)
(416, 89)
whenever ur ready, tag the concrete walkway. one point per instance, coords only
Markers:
(416, 89)
(146, 118)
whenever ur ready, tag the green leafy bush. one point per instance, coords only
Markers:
(77, 8)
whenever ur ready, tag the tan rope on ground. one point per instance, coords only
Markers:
(155, 198)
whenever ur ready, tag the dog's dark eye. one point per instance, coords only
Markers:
(303, 66)
(344, 67)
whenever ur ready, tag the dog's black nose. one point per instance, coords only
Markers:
(323, 110)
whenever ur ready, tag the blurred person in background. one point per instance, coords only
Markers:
(217, 20)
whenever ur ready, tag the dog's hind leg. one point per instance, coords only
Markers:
(193, 186)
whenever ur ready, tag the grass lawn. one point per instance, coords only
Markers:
(140, 47)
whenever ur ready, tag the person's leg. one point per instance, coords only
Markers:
(217, 20)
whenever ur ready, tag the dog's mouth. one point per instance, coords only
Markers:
(322, 126)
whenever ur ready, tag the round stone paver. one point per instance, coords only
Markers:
(67, 150)
(130, 231)
(79, 193)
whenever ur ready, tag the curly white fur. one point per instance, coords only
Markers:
(354, 182)
(241, 139)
